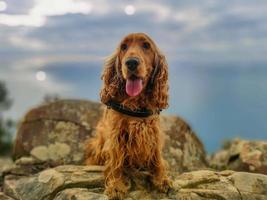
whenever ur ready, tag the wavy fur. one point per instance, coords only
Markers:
(125, 143)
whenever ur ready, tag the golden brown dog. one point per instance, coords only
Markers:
(128, 135)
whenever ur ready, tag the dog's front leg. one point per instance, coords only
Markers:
(158, 173)
(116, 184)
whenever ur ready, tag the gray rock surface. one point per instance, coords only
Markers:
(47, 183)
(56, 131)
(242, 155)
(4, 197)
(5, 163)
(87, 182)
(79, 194)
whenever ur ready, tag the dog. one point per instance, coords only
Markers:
(128, 136)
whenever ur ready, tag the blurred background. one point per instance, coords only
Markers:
(216, 50)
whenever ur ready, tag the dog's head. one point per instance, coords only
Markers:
(136, 69)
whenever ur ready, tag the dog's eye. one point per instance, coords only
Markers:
(146, 45)
(124, 47)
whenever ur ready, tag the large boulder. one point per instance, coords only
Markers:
(242, 155)
(56, 133)
(87, 182)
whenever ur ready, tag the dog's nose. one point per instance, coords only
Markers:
(132, 63)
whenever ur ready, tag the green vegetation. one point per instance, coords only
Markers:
(6, 125)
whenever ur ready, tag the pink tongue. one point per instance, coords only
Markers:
(133, 87)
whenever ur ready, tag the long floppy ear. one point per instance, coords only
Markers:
(112, 80)
(160, 83)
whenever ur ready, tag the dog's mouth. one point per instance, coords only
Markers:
(134, 86)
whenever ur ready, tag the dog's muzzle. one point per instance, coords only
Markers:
(132, 63)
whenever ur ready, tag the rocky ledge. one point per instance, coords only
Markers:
(87, 182)
(48, 158)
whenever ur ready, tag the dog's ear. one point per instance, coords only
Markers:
(160, 85)
(111, 78)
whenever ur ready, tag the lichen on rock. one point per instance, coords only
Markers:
(242, 155)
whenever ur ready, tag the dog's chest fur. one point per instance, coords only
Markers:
(136, 138)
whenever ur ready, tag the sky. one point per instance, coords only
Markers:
(216, 52)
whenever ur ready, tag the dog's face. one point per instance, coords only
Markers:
(136, 70)
(137, 60)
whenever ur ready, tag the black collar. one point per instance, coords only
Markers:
(136, 113)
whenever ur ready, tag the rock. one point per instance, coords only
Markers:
(183, 150)
(225, 185)
(242, 155)
(87, 182)
(248, 183)
(79, 194)
(47, 183)
(4, 197)
(28, 161)
(5, 164)
(56, 133)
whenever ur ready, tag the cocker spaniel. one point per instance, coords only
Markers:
(128, 135)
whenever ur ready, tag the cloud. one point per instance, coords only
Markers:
(189, 26)
(37, 15)
(214, 30)
(60, 7)
(21, 7)
(26, 42)
(22, 20)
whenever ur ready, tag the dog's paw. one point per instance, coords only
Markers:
(115, 194)
(164, 185)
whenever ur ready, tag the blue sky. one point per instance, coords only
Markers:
(216, 52)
